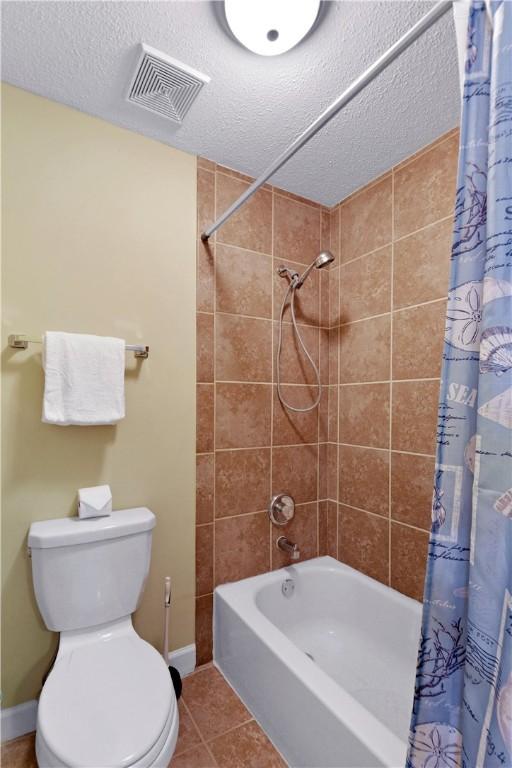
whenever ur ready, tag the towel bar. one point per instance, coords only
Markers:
(20, 341)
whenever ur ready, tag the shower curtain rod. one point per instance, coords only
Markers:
(361, 82)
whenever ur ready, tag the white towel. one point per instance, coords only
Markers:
(84, 379)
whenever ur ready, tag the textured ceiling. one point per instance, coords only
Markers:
(83, 54)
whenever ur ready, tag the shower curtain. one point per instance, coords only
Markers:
(462, 711)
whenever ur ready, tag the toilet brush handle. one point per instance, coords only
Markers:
(175, 675)
(167, 605)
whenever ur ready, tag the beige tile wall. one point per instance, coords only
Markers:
(387, 305)
(360, 468)
(248, 447)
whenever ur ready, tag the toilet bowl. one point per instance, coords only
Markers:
(108, 701)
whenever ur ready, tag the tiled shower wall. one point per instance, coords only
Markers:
(248, 447)
(361, 467)
(392, 241)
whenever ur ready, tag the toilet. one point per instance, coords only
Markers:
(108, 701)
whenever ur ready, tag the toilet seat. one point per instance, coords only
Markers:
(158, 757)
(108, 703)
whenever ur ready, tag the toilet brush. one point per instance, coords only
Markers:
(175, 675)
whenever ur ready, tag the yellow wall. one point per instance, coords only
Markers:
(99, 237)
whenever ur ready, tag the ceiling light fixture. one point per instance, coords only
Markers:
(270, 27)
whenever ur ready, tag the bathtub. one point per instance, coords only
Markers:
(328, 668)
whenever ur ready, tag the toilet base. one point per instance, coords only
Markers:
(157, 757)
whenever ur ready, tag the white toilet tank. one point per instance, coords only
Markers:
(90, 571)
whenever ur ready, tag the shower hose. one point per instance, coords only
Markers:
(291, 292)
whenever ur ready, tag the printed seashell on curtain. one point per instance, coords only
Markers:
(462, 711)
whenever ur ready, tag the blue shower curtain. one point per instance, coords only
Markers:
(462, 711)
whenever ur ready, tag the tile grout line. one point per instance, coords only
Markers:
(364, 319)
(206, 594)
(419, 304)
(267, 447)
(241, 248)
(246, 514)
(196, 728)
(448, 217)
(232, 173)
(318, 408)
(391, 300)
(311, 386)
(338, 377)
(198, 383)
(425, 150)
(393, 450)
(319, 308)
(328, 481)
(262, 253)
(360, 190)
(327, 442)
(274, 384)
(397, 168)
(378, 381)
(201, 738)
(364, 255)
(275, 320)
(214, 533)
(268, 319)
(390, 520)
(274, 372)
(233, 728)
(330, 310)
(278, 191)
(329, 340)
(390, 312)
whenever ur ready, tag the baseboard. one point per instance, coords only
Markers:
(16, 721)
(184, 659)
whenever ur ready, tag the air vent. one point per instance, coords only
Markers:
(164, 85)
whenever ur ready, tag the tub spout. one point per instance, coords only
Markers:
(288, 547)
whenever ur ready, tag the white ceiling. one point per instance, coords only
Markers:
(83, 54)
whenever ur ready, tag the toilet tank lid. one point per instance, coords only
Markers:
(67, 531)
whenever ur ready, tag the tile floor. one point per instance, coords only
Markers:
(216, 731)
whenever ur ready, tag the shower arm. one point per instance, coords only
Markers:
(304, 275)
(356, 87)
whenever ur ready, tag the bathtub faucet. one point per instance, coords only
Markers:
(288, 547)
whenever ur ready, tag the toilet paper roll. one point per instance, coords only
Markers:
(95, 501)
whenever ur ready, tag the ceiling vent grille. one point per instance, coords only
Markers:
(164, 85)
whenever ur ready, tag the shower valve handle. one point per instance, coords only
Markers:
(281, 509)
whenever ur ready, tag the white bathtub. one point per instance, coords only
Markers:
(350, 706)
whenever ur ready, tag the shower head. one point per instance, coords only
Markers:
(322, 260)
